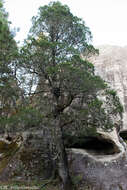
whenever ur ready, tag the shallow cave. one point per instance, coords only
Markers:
(93, 145)
(123, 134)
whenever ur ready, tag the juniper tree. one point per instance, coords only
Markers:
(67, 87)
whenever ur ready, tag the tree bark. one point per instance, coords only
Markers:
(63, 168)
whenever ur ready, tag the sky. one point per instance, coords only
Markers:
(107, 19)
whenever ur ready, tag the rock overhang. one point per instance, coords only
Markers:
(104, 146)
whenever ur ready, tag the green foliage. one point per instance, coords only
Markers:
(23, 118)
(8, 49)
(77, 179)
(52, 53)
(118, 108)
(66, 35)
(51, 59)
(69, 96)
(61, 27)
(9, 90)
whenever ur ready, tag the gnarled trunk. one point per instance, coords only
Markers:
(63, 168)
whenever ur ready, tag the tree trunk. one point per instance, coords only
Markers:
(63, 168)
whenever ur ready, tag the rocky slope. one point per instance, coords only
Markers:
(111, 65)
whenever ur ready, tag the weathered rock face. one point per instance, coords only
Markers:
(111, 65)
(97, 172)
(100, 163)
(32, 161)
(105, 168)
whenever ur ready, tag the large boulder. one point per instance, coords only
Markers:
(99, 163)
(98, 172)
